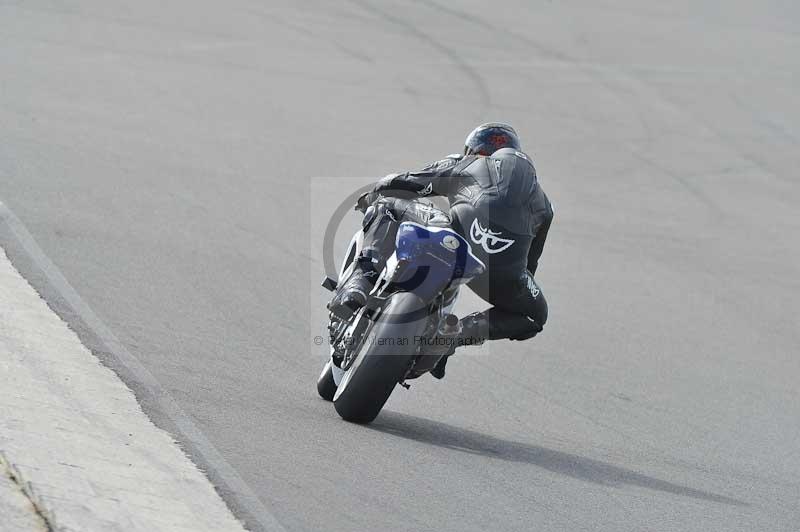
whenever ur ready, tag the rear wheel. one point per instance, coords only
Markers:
(383, 361)
(326, 386)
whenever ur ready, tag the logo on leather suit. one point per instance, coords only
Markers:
(427, 190)
(489, 240)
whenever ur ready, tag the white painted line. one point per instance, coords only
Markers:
(76, 433)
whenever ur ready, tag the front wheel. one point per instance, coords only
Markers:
(383, 361)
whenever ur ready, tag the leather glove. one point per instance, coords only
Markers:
(365, 200)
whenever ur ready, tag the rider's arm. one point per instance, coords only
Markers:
(537, 246)
(433, 180)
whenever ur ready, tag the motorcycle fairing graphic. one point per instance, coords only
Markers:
(431, 259)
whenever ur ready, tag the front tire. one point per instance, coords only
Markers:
(368, 383)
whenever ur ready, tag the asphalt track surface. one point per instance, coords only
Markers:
(169, 159)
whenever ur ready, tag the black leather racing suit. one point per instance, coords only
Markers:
(498, 205)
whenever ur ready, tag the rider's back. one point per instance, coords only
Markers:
(504, 192)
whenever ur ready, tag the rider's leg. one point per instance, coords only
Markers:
(379, 226)
(519, 313)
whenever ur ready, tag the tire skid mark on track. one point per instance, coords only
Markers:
(600, 76)
(469, 72)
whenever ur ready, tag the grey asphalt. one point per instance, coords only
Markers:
(177, 160)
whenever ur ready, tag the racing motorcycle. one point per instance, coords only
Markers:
(397, 335)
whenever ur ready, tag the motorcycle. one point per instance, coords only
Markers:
(397, 335)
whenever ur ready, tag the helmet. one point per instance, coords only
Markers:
(490, 137)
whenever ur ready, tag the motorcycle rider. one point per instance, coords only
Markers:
(496, 203)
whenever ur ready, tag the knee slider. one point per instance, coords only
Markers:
(531, 300)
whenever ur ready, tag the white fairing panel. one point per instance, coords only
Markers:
(353, 249)
(337, 372)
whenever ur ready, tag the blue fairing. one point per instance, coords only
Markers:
(432, 258)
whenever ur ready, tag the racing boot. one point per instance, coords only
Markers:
(352, 295)
(472, 330)
(493, 324)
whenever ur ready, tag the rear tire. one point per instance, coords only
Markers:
(326, 386)
(368, 383)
